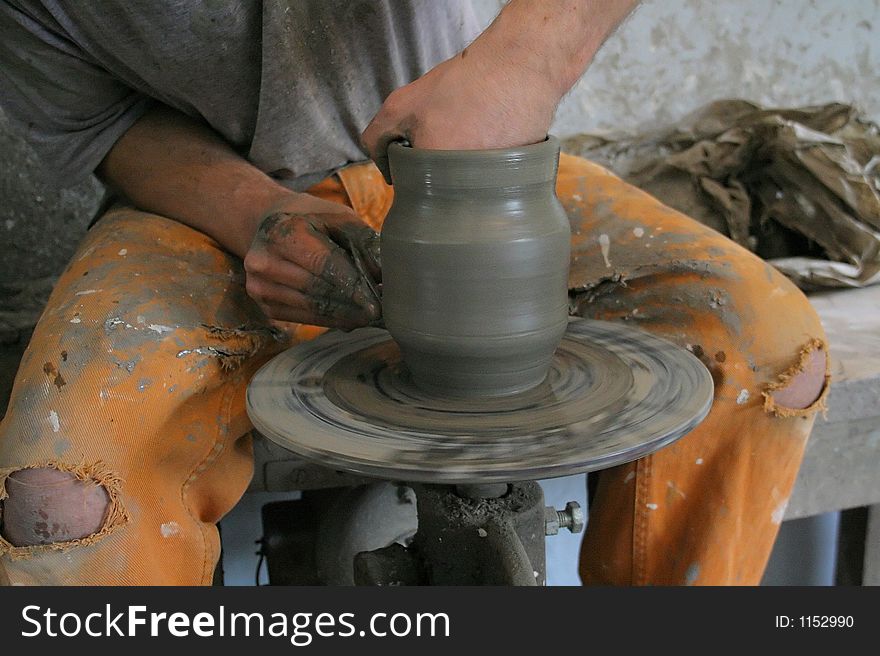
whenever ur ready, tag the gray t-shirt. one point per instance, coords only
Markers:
(289, 83)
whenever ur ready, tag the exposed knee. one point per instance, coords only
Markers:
(47, 506)
(801, 389)
(786, 341)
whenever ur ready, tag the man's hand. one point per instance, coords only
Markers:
(502, 90)
(307, 260)
(312, 261)
(463, 104)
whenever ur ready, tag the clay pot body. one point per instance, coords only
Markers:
(475, 259)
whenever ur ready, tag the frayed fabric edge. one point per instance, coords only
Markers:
(239, 343)
(99, 473)
(819, 405)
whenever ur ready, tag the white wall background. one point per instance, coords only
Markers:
(672, 56)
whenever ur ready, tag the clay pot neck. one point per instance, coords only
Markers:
(503, 170)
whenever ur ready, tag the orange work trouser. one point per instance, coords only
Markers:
(136, 373)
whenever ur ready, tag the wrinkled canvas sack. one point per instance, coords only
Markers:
(799, 187)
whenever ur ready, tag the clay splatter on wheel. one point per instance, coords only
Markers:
(613, 394)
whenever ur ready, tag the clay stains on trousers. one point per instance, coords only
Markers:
(135, 377)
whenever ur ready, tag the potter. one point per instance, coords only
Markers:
(475, 254)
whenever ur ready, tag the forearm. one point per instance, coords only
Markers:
(172, 165)
(552, 41)
(503, 89)
(296, 247)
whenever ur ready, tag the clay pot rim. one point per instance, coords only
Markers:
(469, 169)
(548, 143)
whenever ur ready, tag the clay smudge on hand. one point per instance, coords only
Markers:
(338, 256)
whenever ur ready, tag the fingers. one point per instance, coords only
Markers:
(371, 250)
(316, 269)
(341, 270)
(379, 152)
(283, 303)
(383, 130)
(262, 265)
(301, 242)
(363, 244)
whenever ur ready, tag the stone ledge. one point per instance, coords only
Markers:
(840, 468)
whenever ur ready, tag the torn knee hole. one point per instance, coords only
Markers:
(47, 505)
(57, 506)
(801, 390)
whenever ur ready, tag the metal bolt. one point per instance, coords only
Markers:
(571, 518)
(551, 521)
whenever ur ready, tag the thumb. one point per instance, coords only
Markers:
(376, 144)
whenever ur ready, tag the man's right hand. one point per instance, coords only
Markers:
(502, 90)
(310, 261)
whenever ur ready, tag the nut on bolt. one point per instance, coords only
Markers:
(571, 518)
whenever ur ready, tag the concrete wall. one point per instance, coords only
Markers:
(672, 56)
(669, 58)
(39, 223)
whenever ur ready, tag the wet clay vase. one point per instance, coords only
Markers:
(475, 258)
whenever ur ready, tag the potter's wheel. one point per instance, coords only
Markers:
(613, 394)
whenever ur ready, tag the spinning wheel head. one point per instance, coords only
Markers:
(613, 394)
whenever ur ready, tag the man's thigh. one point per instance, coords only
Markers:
(705, 509)
(134, 381)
